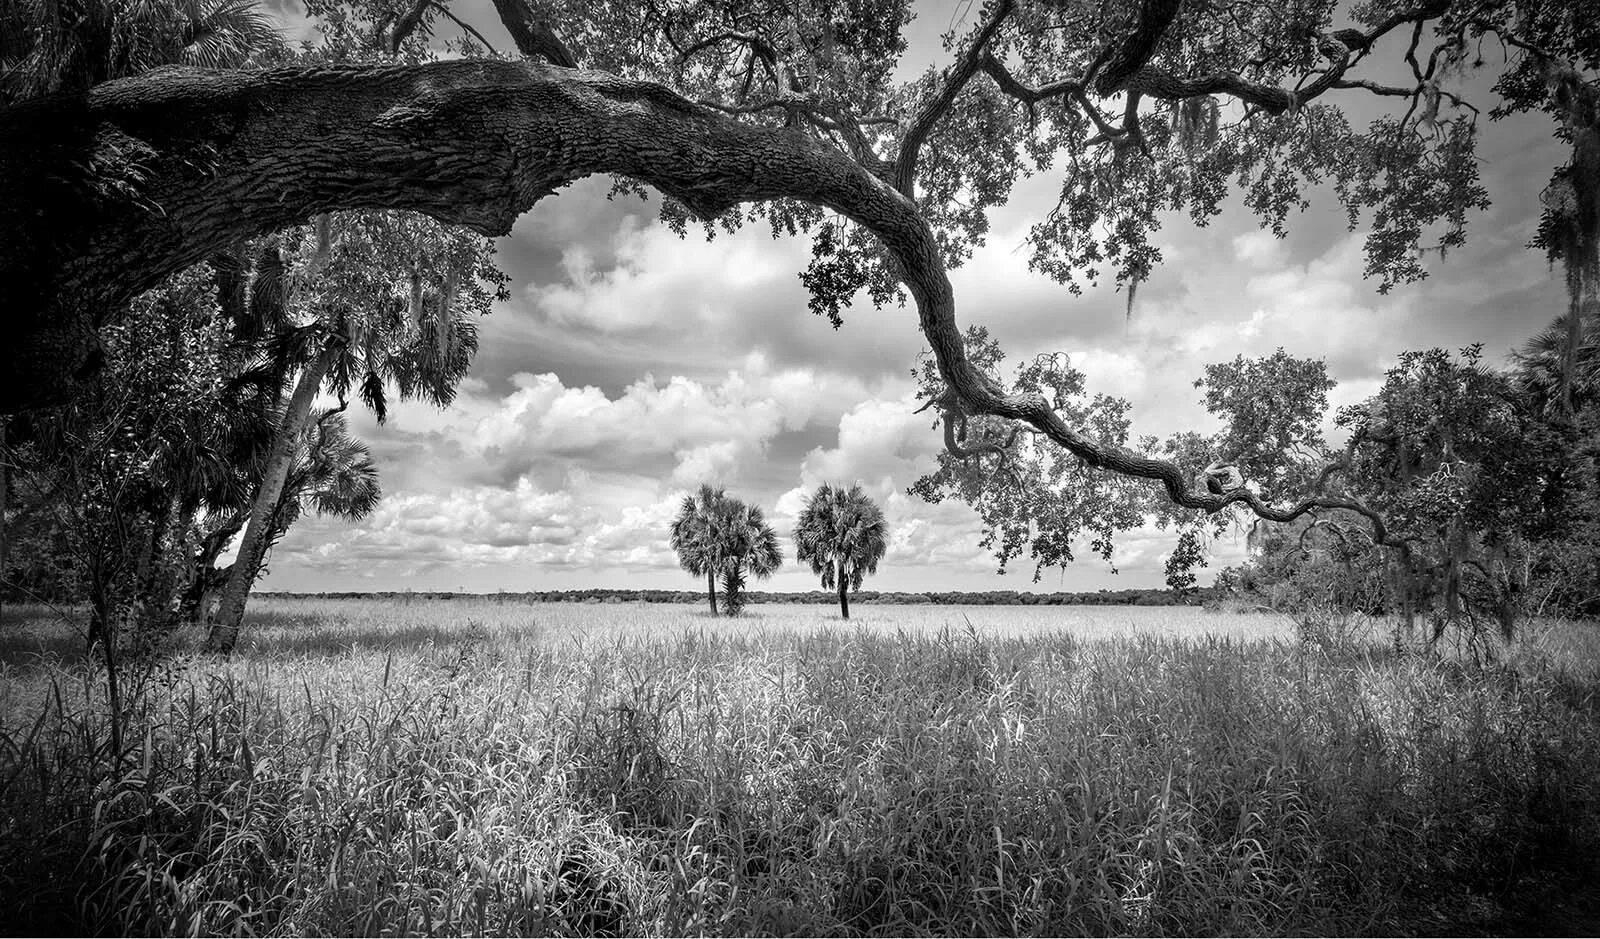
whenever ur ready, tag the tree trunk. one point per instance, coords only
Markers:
(844, 589)
(5, 493)
(258, 530)
(711, 589)
(154, 583)
(203, 578)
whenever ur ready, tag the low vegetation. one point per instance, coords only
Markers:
(456, 768)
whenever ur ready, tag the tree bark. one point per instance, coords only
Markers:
(844, 588)
(111, 190)
(258, 530)
(5, 496)
(202, 579)
(711, 588)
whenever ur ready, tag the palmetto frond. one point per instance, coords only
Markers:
(749, 543)
(333, 473)
(1543, 358)
(225, 33)
(51, 45)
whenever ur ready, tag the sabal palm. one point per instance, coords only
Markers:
(360, 302)
(72, 45)
(697, 535)
(1543, 361)
(333, 474)
(842, 534)
(749, 546)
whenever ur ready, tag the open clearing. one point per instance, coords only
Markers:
(477, 766)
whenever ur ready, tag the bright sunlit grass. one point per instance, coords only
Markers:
(471, 767)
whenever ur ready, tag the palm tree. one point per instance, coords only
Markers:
(333, 474)
(697, 536)
(749, 545)
(370, 300)
(1557, 373)
(72, 45)
(843, 534)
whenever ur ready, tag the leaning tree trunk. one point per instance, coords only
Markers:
(844, 588)
(203, 579)
(258, 530)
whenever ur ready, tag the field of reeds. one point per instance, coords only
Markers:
(473, 767)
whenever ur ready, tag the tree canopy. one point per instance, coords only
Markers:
(787, 113)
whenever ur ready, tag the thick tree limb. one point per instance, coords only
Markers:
(533, 35)
(1132, 54)
(115, 189)
(955, 79)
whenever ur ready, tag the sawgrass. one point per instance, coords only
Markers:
(474, 767)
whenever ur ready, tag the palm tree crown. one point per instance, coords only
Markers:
(842, 533)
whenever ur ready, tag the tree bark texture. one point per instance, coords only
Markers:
(844, 589)
(109, 191)
(711, 588)
(258, 530)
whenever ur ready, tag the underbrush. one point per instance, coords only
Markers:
(828, 782)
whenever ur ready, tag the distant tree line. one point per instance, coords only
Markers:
(1125, 597)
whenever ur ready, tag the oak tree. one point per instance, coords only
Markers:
(786, 112)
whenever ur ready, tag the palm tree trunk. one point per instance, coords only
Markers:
(258, 530)
(844, 589)
(711, 588)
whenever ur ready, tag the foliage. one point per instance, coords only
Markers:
(1031, 495)
(356, 303)
(1482, 478)
(71, 45)
(1272, 409)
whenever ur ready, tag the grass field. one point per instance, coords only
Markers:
(476, 767)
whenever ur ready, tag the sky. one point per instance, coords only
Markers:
(630, 365)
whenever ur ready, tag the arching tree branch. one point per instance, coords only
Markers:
(117, 188)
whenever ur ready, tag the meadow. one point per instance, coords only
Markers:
(481, 767)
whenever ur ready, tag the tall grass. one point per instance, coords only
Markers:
(514, 773)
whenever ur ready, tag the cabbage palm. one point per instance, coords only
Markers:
(72, 45)
(749, 545)
(841, 532)
(370, 301)
(697, 535)
(1557, 374)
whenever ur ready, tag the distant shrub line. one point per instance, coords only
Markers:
(1129, 597)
